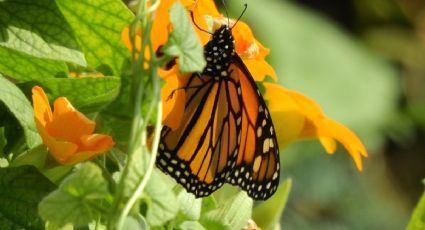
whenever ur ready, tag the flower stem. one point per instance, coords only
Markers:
(139, 189)
(145, 81)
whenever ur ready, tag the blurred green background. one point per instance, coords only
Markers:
(363, 61)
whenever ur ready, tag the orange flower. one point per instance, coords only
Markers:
(67, 133)
(295, 117)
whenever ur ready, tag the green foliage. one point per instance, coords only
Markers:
(98, 26)
(191, 225)
(24, 67)
(190, 207)
(136, 223)
(232, 214)
(78, 200)
(268, 213)
(21, 190)
(417, 221)
(41, 31)
(87, 94)
(53, 37)
(35, 157)
(162, 203)
(183, 42)
(20, 108)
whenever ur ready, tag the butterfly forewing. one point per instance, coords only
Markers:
(226, 133)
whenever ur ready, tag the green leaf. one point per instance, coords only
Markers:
(87, 94)
(191, 225)
(233, 214)
(268, 213)
(417, 221)
(35, 157)
(21, 190)
(208, 203)
(350, 83)
(183, 41)
(18, 105)
(136, 223)
(117, 116)
(24, 67)
(98, 26)
(41, 31)
(78, 198)
(137, 166)
(39, 157)
(189, 206)
(162, 206)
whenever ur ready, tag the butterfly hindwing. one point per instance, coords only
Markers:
(257, 164)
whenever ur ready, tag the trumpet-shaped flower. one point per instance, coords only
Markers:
(295, 116)
(66, 132)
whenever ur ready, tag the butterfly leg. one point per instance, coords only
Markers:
(180, 88)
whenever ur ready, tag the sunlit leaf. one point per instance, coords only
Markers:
(41, 31)
(24, 67)
(417, 221)
(136, 223)
(163, 205)
(191, 225)
(189, 206)
(77, 198)
(87, 94)
(268, 213)
(98, 25)
(233, 214)
(183, 41)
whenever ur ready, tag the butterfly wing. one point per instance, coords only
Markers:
(226, 133)
(257, 161)
(198, 153)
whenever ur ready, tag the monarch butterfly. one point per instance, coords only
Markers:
(226, 134)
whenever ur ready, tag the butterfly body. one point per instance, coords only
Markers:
(218, 53)
(226, 134)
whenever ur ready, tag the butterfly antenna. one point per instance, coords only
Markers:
(197, 26)
(240, 16)
(227, 13)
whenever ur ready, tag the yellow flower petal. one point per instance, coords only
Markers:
(287, 103)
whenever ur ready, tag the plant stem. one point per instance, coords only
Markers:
(139, 190)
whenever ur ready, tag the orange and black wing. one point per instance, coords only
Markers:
(226, 133)
(257, 162)
(199, 153)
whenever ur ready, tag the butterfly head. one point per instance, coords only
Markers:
(219, 51)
